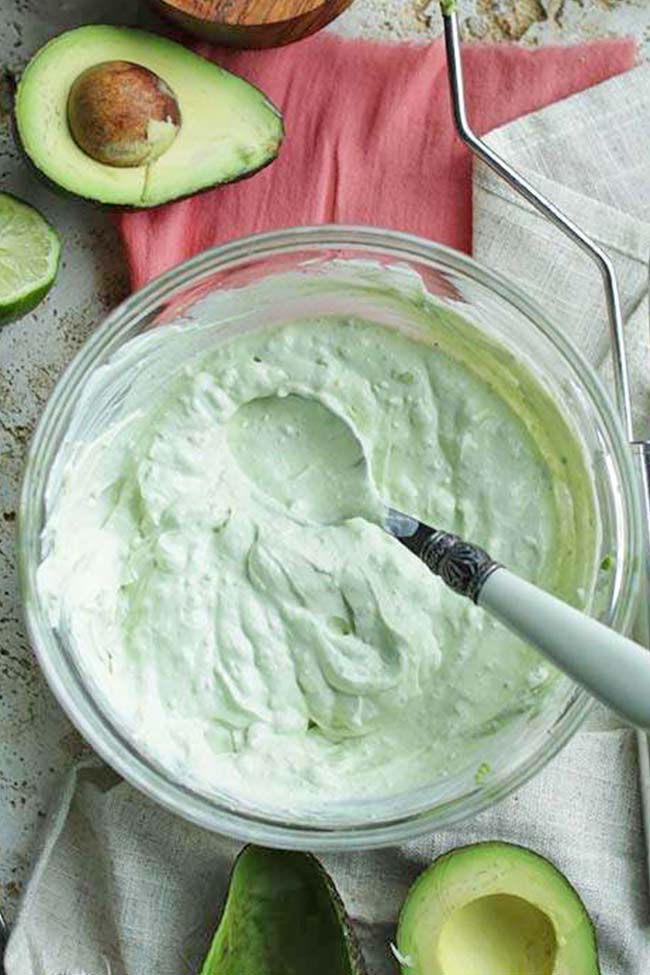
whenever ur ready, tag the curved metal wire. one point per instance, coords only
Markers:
(4, 936)
(548, 210)
(602, 261)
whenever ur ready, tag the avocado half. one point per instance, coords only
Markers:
(228, 128)
(283, 916)
(495, 909)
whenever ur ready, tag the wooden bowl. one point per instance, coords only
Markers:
(250, 23)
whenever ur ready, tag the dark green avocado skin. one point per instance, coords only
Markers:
(283, 916)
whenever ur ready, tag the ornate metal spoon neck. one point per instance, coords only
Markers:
(461, 566)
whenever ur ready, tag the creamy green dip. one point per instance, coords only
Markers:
(253, 629)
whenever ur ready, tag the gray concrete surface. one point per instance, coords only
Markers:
(37, 743)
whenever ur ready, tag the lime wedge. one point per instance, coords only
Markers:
(29, 257)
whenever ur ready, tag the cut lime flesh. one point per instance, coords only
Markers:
(29, 257)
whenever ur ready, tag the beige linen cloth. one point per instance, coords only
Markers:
(123, 887)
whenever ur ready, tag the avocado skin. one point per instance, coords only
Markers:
(440, 861)
(283, 916)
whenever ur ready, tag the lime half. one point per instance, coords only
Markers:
(29, 257)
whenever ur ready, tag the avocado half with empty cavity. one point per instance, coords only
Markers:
(495, 909)
(126, 117)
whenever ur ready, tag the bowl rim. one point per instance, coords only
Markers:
(105, 738)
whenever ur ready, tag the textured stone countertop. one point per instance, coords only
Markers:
(37, 743)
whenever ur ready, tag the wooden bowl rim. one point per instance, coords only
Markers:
(224, 7)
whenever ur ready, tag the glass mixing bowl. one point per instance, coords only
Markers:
(315, 265)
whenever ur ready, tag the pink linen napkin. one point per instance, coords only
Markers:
(369, 140)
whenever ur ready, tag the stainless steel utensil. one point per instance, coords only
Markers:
(640, 448)
(4, 935)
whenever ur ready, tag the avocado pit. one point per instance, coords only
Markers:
(122, 114)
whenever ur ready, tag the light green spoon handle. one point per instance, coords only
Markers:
(610, 666)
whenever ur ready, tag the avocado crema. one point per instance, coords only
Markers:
(126, 117)
(269, 640)
(495, 909)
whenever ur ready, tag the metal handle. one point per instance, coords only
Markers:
(602, 261)
(4, 935)
(462, 566)
(548, 210)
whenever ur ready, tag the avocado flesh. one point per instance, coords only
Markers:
(495, 909)
(283, 916)
(228, 127)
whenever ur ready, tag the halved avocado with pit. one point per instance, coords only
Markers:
(495, 909)
(283, 916)
(127, 117)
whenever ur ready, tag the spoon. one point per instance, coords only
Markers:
(310, 460)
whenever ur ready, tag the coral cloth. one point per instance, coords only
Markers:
(369, 140)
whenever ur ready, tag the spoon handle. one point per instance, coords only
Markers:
(610, 666)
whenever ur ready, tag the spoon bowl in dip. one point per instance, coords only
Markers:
(311, 461)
